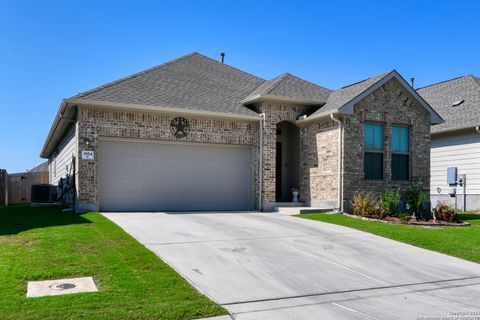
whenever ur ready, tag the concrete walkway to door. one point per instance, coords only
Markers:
(267, 266)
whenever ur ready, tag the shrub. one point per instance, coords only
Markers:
(445, 212)
(415, 197)
(365, 205)
(389, 202)
(405, 217)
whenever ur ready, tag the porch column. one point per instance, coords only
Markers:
(269, 156)
(308, 159)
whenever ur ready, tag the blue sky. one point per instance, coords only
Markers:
(50, 50)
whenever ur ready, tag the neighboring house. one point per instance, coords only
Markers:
(456, 142)
(43, 167)
(197, 134)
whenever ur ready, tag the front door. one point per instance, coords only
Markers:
(287, 161)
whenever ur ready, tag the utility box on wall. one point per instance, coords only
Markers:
(452, 181)
(452, 176)
(452, 191)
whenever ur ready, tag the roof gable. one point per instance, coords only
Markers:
(343, 100)
(442, 96)
(291, 88)
(338, 98)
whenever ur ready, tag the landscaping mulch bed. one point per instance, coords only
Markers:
(396, 220)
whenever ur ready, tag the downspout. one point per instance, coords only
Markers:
(340, 163)
(260, 167)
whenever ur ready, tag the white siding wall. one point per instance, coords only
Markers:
(456, 150)
(62, 157)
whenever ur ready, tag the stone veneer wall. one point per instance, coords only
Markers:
(94, 123)
(388, 105)
(274, 114)
(319, 162)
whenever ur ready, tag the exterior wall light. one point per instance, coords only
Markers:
(86, 141)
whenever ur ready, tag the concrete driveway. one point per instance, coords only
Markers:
(267, 266)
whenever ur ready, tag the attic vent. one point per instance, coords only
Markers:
(457, 103)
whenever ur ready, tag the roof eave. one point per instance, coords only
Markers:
(161, 109)
(319, 116)
(48, 149)
(56, 122)
(450, 130)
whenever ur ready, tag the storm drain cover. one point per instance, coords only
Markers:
(60, 286)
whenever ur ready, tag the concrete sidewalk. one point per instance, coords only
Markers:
(267, 266)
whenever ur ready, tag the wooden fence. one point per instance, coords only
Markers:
(20, 185)
(3, 187)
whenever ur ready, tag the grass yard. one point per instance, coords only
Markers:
(462, 242)
(44, 243)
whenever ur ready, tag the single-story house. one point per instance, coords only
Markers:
(456, 142)
(198, 134)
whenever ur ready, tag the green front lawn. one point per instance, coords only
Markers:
(44, 243)
(462, 242)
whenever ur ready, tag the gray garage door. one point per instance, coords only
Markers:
(139, 176)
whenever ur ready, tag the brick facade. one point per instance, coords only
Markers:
(274, 114)
(319, 162)
(95, 123)
(388, 105)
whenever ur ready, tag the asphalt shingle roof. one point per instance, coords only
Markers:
(342, 96)
(288, 85)
(192, 82)
(265, 87)
(197, 82)
(442, 95)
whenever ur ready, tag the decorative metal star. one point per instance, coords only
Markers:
(180, 127)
